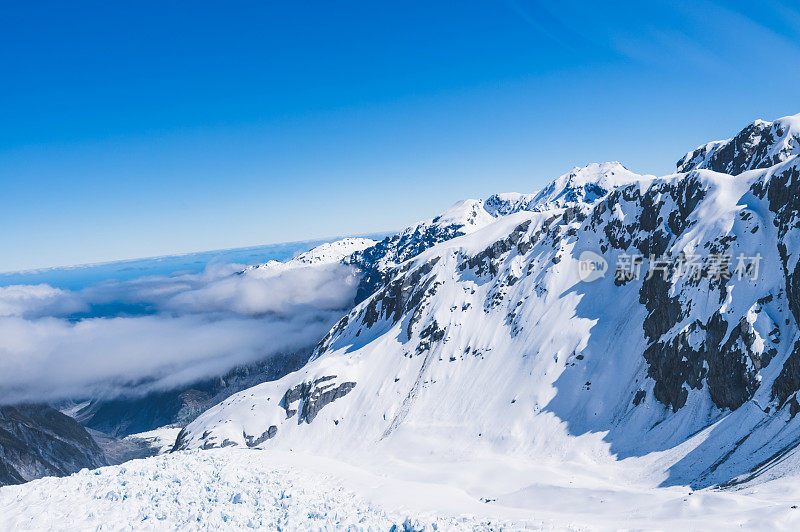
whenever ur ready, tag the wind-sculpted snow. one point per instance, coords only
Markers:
(490, 342)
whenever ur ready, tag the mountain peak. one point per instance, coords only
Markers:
(587, 183)
(759, 145)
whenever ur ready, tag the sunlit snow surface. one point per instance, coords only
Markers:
(226, 489)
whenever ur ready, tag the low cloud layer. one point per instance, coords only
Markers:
(158, 333)
(39, 300)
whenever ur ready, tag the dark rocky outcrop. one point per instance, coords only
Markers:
(753, 147)
(400, 296)
(395, 250)
(312, 397)
(38, 441)
(726, 361)
(788, 381)
(664, 310)
(266, 435)
(487, 261)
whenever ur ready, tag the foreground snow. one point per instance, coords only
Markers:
(222, 489)
(235, 489)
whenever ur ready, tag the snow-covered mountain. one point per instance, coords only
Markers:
(327, 253)
(465, 217)
(760, 145)
(581, 185)
(477, 335)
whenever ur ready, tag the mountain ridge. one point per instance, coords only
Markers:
(443, 328)
(759, 145)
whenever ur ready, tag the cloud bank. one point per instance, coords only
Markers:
(38, 300)
(158, 333)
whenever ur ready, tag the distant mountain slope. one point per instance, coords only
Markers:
(121, 417)
(323, 254)
(36, 441)
(482, 338)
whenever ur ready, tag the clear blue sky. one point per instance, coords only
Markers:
(131, 129)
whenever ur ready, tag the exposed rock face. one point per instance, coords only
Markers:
(783, 194)
(304, 400)
(788, 381)
(727, 361)
(379, 262)
(313, 396)
(122, 417)
(37, 441)
(266, 435)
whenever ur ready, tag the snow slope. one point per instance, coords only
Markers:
(490, 344)
(581, 185)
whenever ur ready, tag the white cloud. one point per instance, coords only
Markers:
(325, 287)
(38, 300)
(173, 330)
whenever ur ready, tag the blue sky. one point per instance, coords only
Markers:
(138, 129)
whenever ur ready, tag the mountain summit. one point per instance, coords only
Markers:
(760, 145)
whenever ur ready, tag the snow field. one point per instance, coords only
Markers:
(236, 489)
(211, 490)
